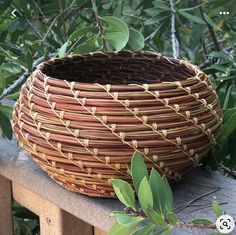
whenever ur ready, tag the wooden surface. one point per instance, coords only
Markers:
(53, 220)
(6, 227)
(17, 166)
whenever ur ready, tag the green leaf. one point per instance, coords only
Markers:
(116, 32)
(5, 125)
(11, 68)
(156, 218)
(192, 8)
(7, 110)
(128, 220)
(118, 229)
(2, 81)
(84, 48)
(118, 10)
(145, 195)
(62, 50)
(191, 17)
(80, 32)
(227, 97)
(124, 192)
(161, 5)
(217, 209)
(117, 213)
(158, 190)
(202, 221)
(195, 36)
(219, 152)
(218, 68)
(164, 231)
(145, 230)
(211, 22)
(229, 127)
(221, 54)
(13, 96)
(228, 113)
(172, 218)
(168, 194)
(136, 40)
(29, 60)
(138, 170)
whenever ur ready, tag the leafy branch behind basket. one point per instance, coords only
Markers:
(156, 215)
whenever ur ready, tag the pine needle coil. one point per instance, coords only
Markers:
(82, 117)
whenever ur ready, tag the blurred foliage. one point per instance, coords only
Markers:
(31, 29)
(25, 222)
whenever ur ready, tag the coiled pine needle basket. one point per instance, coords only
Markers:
(82, 117)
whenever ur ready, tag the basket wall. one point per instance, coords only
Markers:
(82, 117)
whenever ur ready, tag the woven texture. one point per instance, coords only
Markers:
(82, 117)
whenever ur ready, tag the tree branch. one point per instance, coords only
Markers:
(175, 43)
(24, 76)
(208, 61)
(100, 27)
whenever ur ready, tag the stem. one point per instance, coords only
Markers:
(199, 226)
(195, 199)
(100, 27)
(231, 172)
(132, 212)
(206, 206)
(55, 19)
(175, 43)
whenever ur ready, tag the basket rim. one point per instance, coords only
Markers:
(146, 54)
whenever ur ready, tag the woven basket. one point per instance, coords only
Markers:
(82, 117)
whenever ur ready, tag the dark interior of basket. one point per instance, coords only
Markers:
(118, 69)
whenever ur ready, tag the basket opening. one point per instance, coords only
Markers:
(117, 69)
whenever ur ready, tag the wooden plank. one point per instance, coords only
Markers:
(53, 220)
(17, 166)
(74, 226)
(6, 224)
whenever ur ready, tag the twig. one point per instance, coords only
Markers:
(232, 173)
(38, 7)
(34, 28)
(131, 212)
(202, 185)
(100, 27)
(74, 44)
(23, 77)
(180, 208)
(55, 19)
(199, 226)
(175, 43)
(207, 62)
(206, 206)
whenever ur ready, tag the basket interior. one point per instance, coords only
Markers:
(119, 68)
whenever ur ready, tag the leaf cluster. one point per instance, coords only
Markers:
(153, 213)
